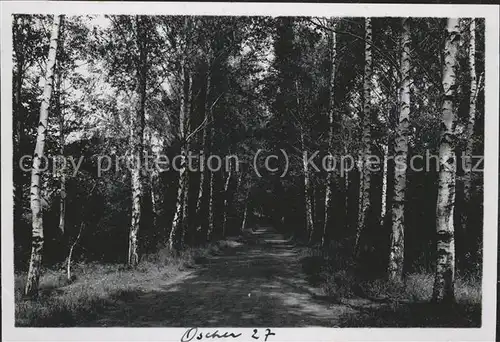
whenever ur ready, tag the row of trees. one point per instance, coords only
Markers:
(143, 85)
(169, 81)
(401, 85)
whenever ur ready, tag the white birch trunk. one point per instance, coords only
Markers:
(179, 210)
(70, 254)
(366, 139)
(137, 141)
(245, 214)
(207, 118)
(244, 222)
(469, 138)
(211, 207)
(36, 207)
(383, 207)
(443, 291)
(62, 175)
(226, 200)
(396, 254)
(307, 191)
(331, 119)
(185, 205)
(154, 199)
(361, 179)
(307, 182)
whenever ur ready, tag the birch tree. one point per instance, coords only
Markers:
(186, 143)
(307, 188)
(181, 189)
(307, 176)
(226, 199)
(366, 138)
(62, 175)
(204, 142)
(331, 117)
(36, 205)
(137, 137)
(469, 138)
(443, 291)
(396, 254)
(245, 210)
(211, 202)
(383, 207)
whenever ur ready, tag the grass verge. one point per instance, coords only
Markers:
(62, 304)
(389, 304)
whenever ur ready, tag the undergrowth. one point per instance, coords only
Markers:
(400, 304)
(66, 303)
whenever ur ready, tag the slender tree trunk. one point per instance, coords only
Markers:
(244, 222)
(330, 183)
(211, 206)
(313, 201)
(153, 187)
(396, 255)
(177, 223)
(443, 291)
(226, 200)
(70, 254)
(185, 205)
(383, 207)
(245, 213)
(469, 138)
(211, 187)
(240, 178)
(62, 199)
(77, 239)
(62, 175)
(307, 190)
(307, 181)
(207, 118)
(154, 199)
(185, 213)
(346, 194)
(137, 141)
(361, 179)
(366, 139)
(36, 207)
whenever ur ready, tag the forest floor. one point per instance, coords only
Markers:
(257, 281)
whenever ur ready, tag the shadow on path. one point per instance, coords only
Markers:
(259, 283)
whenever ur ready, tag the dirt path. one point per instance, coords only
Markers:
(260, 283)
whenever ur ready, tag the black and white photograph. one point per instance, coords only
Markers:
(236, 170)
